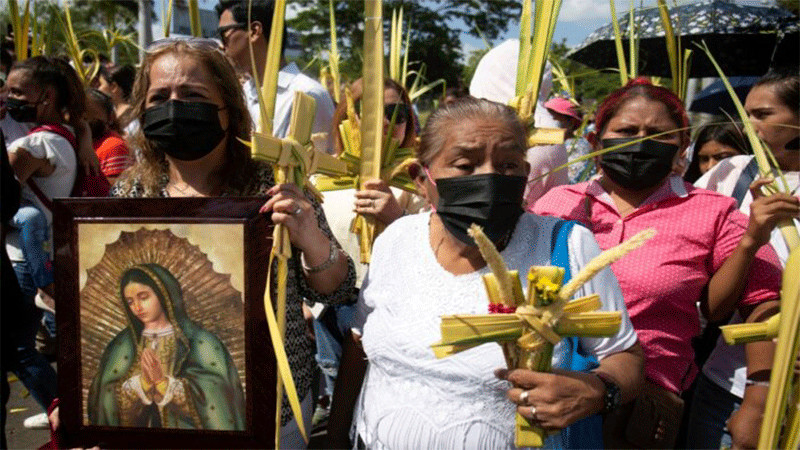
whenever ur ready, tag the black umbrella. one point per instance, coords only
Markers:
(741, 38)
(715, 98)
(787, 52)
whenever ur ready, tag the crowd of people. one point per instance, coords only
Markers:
(176, 126)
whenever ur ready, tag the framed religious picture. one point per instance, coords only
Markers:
(163, 340)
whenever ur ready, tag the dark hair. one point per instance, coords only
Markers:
(728, 134)
(642, 87)
(138, 275)
(261, 11)
(102, 99)
(456, 92)
(89, 58)
(105, 102)
(786, 82)
(357, 91)
(5, 58)
(122, 75)
(57, 73)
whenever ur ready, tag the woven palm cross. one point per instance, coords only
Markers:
(528, 327)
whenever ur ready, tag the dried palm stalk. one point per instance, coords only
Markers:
(533, 51)
(333, 54)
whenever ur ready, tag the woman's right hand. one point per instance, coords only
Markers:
(767, 211)
(554, 400)
(376, 199)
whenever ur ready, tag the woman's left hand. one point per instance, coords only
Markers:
(554, 400)
(376, 199)
(745, 424)
(290, 208)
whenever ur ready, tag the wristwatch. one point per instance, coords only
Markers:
(611, 396)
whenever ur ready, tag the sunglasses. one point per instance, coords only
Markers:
(388, 112)
(193, 42)
(223, 30)
(400, 117)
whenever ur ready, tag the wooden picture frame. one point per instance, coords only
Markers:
(208, 342)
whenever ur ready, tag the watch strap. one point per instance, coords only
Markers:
(611, 397)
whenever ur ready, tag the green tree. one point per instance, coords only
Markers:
(791, 5)
(96, 20)
(436, 27)
(590, 84)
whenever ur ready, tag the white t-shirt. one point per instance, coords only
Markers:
(290, 79)
(59, 152)
(411, 399)
(727, 366)
(338, 207)
(13, 130)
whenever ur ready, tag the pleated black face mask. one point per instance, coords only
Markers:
(183, 130)
(492, 201)
(20, 110)
(639, 165)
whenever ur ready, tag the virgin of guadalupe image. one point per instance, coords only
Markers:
(163, 370)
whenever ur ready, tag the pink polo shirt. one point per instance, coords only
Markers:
(696, 232)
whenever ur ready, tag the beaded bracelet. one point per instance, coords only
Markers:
(327, 263)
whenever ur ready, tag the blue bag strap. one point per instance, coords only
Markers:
(587, 432)
(559, 248)
(749, 174)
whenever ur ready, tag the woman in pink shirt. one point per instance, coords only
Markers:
(705, 251)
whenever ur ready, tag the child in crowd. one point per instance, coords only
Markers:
(48, 93)
(111, 149)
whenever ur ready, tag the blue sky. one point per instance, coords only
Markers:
(577, 20)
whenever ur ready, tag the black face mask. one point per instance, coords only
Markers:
(492, 201)
(21, 110)
(639, 165)
(183, 130)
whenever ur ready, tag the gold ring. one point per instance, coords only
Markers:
(523, 398)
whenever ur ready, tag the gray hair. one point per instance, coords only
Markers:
(437, 128)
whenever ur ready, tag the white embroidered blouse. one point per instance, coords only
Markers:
(409, 398)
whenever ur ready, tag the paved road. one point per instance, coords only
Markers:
(21, 406)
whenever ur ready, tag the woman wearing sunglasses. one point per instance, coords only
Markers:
(376, 200)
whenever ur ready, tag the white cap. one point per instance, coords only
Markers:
(495, 79)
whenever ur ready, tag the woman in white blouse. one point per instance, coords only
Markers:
(473, 169)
